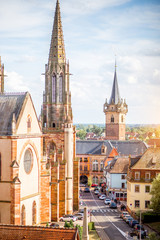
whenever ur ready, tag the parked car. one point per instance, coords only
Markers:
(133, 222)
(54, 225)
(79, 216)
(96, 192)
(67, 218)
(102, 197)
(125, 217)
(87, 190)
(136, 232)
(128, 219)
(94, 185)
(82, 211)
(113, 205)
(99, 194)
(107, 201)
(138, 227)
(123, 214)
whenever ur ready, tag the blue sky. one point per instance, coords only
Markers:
(94, 32)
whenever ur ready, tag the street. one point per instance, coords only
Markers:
(107, 220)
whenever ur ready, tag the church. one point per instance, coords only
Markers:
(39, 171)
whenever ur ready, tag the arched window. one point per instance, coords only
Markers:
(0, 168)
(53, 125)
(101, 166)
(61, 88)
(122, 119)
(112, 119)
(34, 213)
(101, 179)
(54, 88)
(95, 180)
(95, 165)
(23, 215)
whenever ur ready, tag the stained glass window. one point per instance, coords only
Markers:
(60, 88)
(54, 88)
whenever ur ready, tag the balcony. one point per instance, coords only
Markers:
(132, 179)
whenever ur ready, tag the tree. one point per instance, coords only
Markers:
(89, 181)
(155, 192)
(81, 134)
(97, 130)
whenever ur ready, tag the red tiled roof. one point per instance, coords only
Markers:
(121, 165)
(14, 232)
(154, 142)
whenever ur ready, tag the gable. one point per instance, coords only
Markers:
(27, 114)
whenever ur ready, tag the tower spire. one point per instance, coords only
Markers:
(115, 95)
(1, 77)
(57, 48)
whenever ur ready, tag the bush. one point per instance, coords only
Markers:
(153, 236)
(91, 226)
(80, 230)
(148, 217)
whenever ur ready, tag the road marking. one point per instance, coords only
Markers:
(123, 233)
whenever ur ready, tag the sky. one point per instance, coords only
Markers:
(94, 32)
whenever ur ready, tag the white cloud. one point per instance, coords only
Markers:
(94, 32)
(15, 83)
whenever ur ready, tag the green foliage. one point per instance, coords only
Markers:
(155, 192)
(148, 217)
(69, 224)
(81, 134)
(91, 226)
(80, 230)
(153, 236)
(89, 181)
(97, 130)
(157, 132)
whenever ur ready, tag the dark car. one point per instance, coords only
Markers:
(86, 189)
(113, 205)
(136, 232)
(54, 225)
(133, 222)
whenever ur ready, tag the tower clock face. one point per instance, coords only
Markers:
(28, 160)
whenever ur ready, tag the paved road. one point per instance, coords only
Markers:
(107, 220)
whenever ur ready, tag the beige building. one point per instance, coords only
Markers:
(21, 173)
(142, 171)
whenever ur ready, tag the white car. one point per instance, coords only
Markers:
(102, 197)
(68, 218)
(96, 192)
(107, 201)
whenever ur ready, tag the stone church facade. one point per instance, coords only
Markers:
(22, 169)
(57, 124)
(39, 173)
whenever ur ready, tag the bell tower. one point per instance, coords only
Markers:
(57, 125)
(1, 77)
(115, 111)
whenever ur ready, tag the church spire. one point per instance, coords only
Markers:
(115, 95)
(1, 77)
(57, 49)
